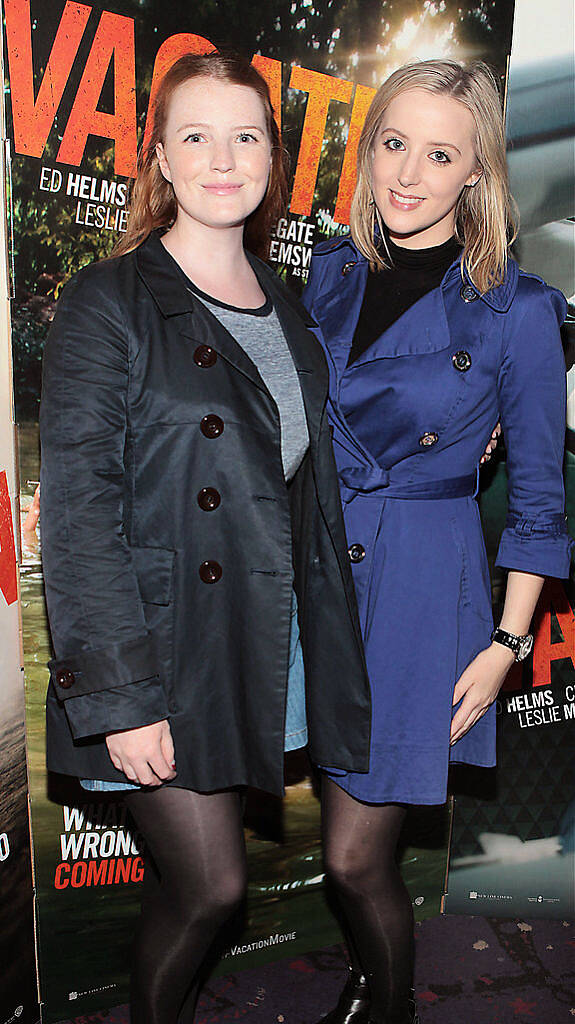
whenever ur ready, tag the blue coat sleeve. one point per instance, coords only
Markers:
(105, 667)
(532, 401)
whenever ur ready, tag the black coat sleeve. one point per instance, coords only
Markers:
(105, 667)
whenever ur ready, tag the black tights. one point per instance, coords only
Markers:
(195, 879)
(360, 853)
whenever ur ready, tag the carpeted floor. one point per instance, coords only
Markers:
(470, 970)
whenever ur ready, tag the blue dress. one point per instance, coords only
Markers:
(411, 418)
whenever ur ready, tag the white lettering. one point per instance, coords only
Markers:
(539, 716)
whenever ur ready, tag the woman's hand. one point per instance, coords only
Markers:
(145, 755)
(478, 687)
(491, 446)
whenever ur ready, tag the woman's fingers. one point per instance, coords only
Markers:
(167, 747)
(492, 445)
(141, 753)
(469, 716)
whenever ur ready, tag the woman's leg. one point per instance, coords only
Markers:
(360, 850)
(196, 843)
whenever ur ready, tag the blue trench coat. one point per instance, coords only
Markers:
(411, 419)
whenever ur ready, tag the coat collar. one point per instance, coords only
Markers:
(337, 309)
(164, 280)
(159, 272)
(498, 299)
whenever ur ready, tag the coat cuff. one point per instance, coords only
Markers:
(117, 708)
(539, 545)
(130, 661)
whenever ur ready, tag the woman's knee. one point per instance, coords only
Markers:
(229, 892)
(357, 871)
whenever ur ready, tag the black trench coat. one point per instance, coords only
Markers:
(170, 540)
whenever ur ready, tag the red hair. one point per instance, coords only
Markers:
(153, 203)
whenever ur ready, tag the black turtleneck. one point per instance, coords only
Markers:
(389, 292)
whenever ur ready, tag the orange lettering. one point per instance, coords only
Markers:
(8, 581)
(321, 89)
(361, 103)
(60, 879)
(96, 872)
(170, 51)
(553, 600)
(78, 875)
(114, 39)
(137, 870)
(271, 70)
(34, 118)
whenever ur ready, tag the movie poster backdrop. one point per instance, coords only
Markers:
(513, 843)
(80, 80)
(18, 987)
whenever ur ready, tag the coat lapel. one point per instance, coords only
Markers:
(338, 312)
(166, 282)
(164, 279)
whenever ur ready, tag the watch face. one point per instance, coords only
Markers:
(525, 648)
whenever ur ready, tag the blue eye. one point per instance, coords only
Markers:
(246, 137)
(193, 137)
(440, 157)
(393, 144)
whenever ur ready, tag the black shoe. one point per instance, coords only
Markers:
(353, 1003)
(412, 1014)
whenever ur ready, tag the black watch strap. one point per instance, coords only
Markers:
(520, 645)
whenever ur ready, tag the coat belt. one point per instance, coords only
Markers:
(356, 480)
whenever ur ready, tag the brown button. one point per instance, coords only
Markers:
(210, 572)
(347, 267)
(209, 499)
(428, 439)
(461, 361)
(356, 552)
(65, 678)
(212, 425)
(205, 356)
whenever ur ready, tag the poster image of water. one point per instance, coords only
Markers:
(80, 78)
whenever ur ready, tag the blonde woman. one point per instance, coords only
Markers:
(432, 333)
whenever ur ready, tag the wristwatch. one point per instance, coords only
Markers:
(520, 645)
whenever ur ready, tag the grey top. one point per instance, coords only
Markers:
(260, 334)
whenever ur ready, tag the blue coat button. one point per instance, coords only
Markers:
(348, 266)
(468, 293)
(426, 440)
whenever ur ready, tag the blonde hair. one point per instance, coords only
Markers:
(152, 200)
(485, 214)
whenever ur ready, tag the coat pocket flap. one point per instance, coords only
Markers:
(154, 568)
